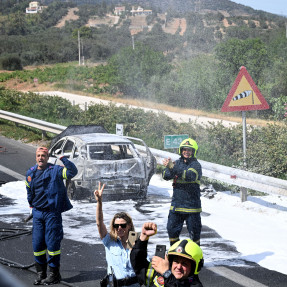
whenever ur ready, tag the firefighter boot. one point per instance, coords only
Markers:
(41, 273)
(54, 276)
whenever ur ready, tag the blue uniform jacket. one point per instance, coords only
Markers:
(186, 186)
(53, 185)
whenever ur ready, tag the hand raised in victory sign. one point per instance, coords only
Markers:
(99, 192)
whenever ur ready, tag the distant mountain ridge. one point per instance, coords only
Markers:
(181, 6)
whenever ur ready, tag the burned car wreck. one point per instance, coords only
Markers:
(108, 158)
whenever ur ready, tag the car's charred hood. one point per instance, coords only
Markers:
(113, 169)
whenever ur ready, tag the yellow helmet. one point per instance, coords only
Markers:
(190, 250)
(189, 143)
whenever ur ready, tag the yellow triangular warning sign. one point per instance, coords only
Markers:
(244, 95)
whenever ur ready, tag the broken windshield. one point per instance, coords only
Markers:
(111, 152)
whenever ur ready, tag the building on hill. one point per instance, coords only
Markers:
(33, 8)
(119, 10)
(140, 12)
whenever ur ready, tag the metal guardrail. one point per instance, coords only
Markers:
(31, 122)
(214, 171)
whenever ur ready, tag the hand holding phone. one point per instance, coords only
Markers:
(133, 236)
(160, 251)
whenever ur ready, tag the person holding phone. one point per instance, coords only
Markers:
(179, 267)
(115, 242)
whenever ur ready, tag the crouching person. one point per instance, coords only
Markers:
(179, 268)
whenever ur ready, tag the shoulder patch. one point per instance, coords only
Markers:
(29, 178)
(160, 280)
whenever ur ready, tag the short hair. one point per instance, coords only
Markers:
(43, 149)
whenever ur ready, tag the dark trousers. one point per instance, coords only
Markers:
(47, 236)
(175, 224)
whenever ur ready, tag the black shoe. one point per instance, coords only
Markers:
(195, 281)
(41, 273)
(54, 276)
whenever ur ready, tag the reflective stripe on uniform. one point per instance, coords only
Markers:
(64, 173)
(187, 182)
(173, 240)
(184, 176)
(27, 184)
(40, 253)
(149, 275)
(197, 242)
(54, 253)
(188, 210)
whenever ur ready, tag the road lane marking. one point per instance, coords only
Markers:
(12, 173)
(235, 277)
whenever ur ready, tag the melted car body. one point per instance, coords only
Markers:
(108, 158)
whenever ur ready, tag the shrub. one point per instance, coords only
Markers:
(11, 63)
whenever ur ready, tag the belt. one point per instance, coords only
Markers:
(127, 281)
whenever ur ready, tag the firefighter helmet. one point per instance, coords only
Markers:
(188, 143)
(190, 250)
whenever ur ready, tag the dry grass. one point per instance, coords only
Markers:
(15, 84)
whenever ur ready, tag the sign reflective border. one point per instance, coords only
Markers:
(244, 95)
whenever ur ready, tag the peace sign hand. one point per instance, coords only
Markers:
(99, 192)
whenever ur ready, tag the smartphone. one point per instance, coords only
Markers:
(133, 236)
(160, 251)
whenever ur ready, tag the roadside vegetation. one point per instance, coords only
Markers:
(191, 70)
(266, 146)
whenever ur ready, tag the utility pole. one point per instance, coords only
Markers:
(133, 42)
(79, 47)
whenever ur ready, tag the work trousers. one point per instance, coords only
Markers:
(175, 224)
(47, 236)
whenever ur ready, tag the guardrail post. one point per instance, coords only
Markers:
(44, 134)
(243, 194)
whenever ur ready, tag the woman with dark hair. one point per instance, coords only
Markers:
(115, 242)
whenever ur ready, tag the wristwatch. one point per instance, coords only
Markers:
(166, 274)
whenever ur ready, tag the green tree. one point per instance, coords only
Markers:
(133, 69)
(251, 53)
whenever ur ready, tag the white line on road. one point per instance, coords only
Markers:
(235, 277)
(12, 173)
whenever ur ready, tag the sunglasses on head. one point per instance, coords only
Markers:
(122, 225)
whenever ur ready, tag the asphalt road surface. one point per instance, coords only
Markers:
(83, 264)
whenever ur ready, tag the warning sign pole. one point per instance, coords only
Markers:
(244, 137)
(244, 96)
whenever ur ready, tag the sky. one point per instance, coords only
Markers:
(273, 6)
(257, 227)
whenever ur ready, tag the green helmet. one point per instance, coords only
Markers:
(189, 143)
(190, 250)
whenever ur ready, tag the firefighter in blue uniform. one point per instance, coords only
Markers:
(47, 196)
(185, 206)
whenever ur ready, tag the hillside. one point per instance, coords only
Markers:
(184, 53)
